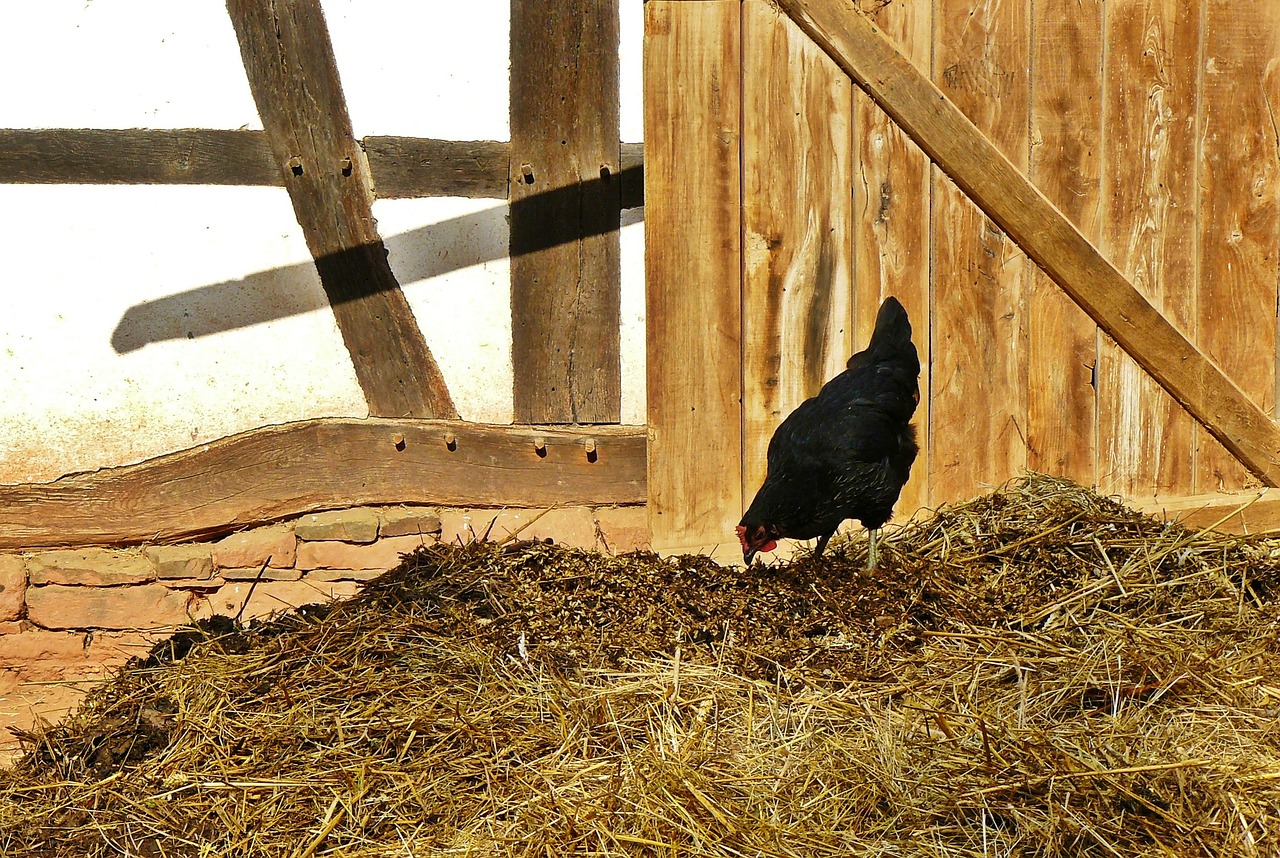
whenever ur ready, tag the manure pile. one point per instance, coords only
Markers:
(1037, 672)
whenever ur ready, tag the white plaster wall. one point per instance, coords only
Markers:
(142, 320)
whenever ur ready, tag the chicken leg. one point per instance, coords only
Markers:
(873, 548)
(822, 544)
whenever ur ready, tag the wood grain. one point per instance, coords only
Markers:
(1145, 441)
(891, 228)
(294, 79)
(281, 471)
(1256, 511)
(796, 214)
(1066, 161)
(692, 98)
(414, 167)
(1239, 186)
(565, 296)
(92, 156)
(980, 276)
(1009, 198)
(401, 167)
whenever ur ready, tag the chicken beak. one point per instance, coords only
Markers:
(748, 556)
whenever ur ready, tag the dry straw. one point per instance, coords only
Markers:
(1037, 672)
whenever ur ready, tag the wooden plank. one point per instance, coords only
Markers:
(91, 156)
(565, 296)
(692, 91)
(291, 70)
(1148, 216)
(1239, 185)
(413, 167)
(1009, 198)
(282, 471)
(891, 229)
(979, 275)
(1066, 127)
(796, 215)
(1255, 512)
(401, 167)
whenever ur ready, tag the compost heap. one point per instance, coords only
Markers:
(1037, 672)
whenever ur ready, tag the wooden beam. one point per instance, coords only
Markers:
(401, 167)
(1048, 237)
(405, 167)
(565, 296)
(1255, 512)
(692, 83)
(294, 79)
(136, 156)
(282, 471)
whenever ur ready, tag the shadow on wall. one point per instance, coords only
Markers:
(292, 289)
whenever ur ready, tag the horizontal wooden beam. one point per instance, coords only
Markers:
(402, 167)
(1253, 512)
(282, 471)
(1009, 198)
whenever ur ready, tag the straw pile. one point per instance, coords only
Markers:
(1038, 672)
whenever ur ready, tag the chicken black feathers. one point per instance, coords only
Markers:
(845, 453)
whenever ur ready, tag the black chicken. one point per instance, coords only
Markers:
(845, 453)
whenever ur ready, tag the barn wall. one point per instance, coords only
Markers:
(146, 319)
(1150, 125)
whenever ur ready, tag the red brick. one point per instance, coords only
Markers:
(253, 547)
(459, 525)
(141, 606)
(409, 521)
(112, 649)
(573, 526)
(623, 528)
(345, 574)
(37, 646)
(181, 561)
(275, 597)
(251, 574)
(346, 525)
(13, 586)
(25, 705)
(91, 567)
(383, 554)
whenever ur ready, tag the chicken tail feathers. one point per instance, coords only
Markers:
(892, 335)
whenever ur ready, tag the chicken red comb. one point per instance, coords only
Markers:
(742, 536)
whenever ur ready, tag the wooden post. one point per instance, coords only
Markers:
(1049, 238)
(692, 80)
(289, 62)
(566, 201)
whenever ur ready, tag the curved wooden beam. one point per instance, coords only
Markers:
(278, 472)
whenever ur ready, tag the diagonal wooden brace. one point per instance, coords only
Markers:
(294, 78)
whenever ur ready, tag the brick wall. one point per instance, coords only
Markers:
(67, 617)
